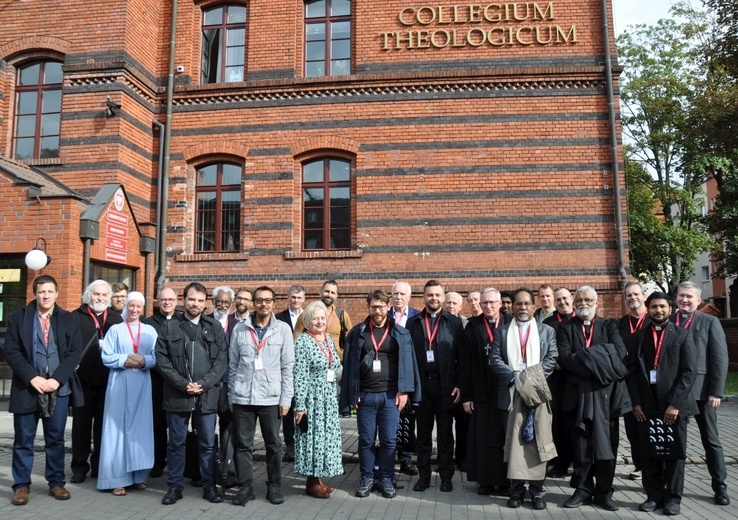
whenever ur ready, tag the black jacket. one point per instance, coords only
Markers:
(91, 370)
(476, 380)
(676, 372)
(19, 354)
(712, 355)
(172, 361)
(448, 342)
(284, 316)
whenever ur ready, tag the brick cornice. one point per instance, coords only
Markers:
(324, 142)
(14, 51)
(219, 147)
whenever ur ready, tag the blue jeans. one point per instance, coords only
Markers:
(25, 426)
(204, 424)
(377, 413)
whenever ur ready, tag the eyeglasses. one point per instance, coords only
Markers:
(120, 297)
(375, 308)
(222, 302)
(242, 299)
(259, 301)
(588, 301)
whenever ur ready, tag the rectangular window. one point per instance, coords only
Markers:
(326, 202)
(223, 44)
(218, 221)
(38, 111)
(327, 38)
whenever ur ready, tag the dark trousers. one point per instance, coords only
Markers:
(204, 425)
(87, 424)
(25, 426)
(707, 422)
(517, 488)
(244, 427)
(288, 425)
(562, 439)
(596, 475)
(461, 429)
(429, 409)
(160, 420)
(663, 480)
(377, 414)
(631, 431)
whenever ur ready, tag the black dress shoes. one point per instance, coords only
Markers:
(211, 494)
(244, 495)
(172, 496)
(721, 496)
(421, 485)
(577, 500)
(408, 467)
(78, 478)
(650, 505)
(485, 490)
(671, 509)
(514, 501)
(446, 485)
(607, 503)
(538, 503)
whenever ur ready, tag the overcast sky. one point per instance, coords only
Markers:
(631, 12)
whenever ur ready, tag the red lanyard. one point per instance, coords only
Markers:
(490, 334)
(431, 335)
(136, 342)
(100, 328)
(588, 340)
(657, 343)
(328, 353)
(689, 321)
(45, 327)
(638, 324)
(259, 346)
(377, 346)
(523, 339)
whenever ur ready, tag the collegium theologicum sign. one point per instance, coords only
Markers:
(478, 25)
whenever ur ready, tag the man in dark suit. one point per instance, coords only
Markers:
(43, 346)
(95, 319)
(296, 295)
(437, 337)
(709, 387)
(661, 368)
(485, 463)
(592, 354)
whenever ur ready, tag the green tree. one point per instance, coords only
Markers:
(657, 93)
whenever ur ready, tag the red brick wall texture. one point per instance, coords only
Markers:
(477, 134)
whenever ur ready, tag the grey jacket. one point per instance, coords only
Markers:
(272, 385)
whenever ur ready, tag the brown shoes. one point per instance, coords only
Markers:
(326, 488)
(20, 496)
(59, 493)
(314, 489)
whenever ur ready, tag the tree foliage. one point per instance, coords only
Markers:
(657, 95)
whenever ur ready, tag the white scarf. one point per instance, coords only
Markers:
(514, 350)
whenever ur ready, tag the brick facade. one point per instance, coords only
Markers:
(479, 156)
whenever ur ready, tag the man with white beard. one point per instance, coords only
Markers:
(592, 354)
(95, 318)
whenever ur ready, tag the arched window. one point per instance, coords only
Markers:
(218, 226)
(38, 99)
(326, 204)
(223, 44)
(327, 38)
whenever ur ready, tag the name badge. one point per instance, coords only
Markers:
(652, 376)
(134, 370)
(258, 363)
(429, 357)
(376, 365)
(331, 375)
(522, 366)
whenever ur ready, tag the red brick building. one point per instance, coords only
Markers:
(367, 141)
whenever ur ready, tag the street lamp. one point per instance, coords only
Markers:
(36, 258)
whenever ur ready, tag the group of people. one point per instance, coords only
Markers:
(528, 391)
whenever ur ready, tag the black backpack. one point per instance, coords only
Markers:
(225, 466)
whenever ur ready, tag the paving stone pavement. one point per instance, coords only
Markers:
(462, 503)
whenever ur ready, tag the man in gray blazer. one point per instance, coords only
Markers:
(709, 386)
(519, 345)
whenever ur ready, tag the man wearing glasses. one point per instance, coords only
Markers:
(261, 360)
(120, 293)
(167, 302)
(485, 463)
(592, 354)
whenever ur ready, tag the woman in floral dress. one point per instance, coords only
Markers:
(317, 371)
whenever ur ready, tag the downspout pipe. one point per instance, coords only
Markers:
(164, 159)
(613, 146)
(159, 179)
